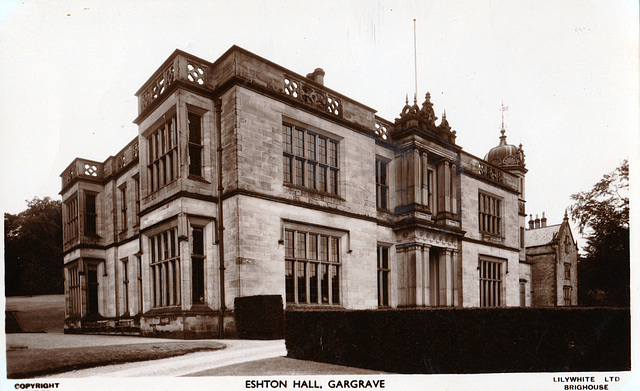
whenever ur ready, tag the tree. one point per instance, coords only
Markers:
(33, 249)
(603, 215)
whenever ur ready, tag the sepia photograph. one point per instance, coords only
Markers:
(302, 195)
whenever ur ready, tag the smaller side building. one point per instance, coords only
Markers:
(552, 253)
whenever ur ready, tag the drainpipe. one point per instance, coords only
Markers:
(223, 307)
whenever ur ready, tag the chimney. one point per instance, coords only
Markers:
(317, 76)
(537, 222)
(543, 221)
(530, 221)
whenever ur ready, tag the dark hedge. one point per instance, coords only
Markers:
(474, 340)
(259, 317)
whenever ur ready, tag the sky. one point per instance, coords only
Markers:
(566, 70)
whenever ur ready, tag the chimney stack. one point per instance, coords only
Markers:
(537, 222)
(317, 76)
(543, 222)
(530, 221)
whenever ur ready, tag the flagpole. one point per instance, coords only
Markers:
(415, 61)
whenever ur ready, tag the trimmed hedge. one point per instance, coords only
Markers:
(259, 317)
(469, 340)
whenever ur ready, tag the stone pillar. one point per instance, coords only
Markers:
(443, 278)
(415, 257)
(426, 299)
(457, 276)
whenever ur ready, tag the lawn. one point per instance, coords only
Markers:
(38, 314)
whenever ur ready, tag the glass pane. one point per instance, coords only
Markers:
(194, 128)
(289, 283)
(287, 169)
(300, 245)
(288, 244)
(335, 284)
(298, 143)
(313, 283)
(286, 138)
(324, 283)
(324, 248)
(322, 150)
(302, 282)
(313, 246)
(311, 146)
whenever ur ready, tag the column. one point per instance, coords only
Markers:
(442, 278)
(416, 260)
(426, 299)
(457, 275)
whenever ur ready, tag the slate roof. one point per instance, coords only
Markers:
(541, 236)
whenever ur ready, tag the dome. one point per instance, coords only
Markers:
(506, 155)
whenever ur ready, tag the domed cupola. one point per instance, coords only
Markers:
(506, 155)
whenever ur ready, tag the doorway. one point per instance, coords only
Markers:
(92, 292)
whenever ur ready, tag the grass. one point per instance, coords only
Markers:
(26, 363)
(38, 314)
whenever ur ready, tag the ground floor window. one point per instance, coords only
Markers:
(197, 265)
(125, 286)
(383, 276)
(74, 291)
(165, 268)
(567, 295)
(491, 283)
(312, 268)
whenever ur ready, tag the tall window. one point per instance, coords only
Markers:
(137, 189)
(566, 290)
(74, 291)
(90, 214)
(139, 267)
(567, 271)
(383, 276)
(490, 283)
(165, 268)
(71, 219)
(125, 286)
(197, 265)
(521, 237)
(430, 193)
(312, 263)
(382, 185)
(195, 144)
(123, 208)
(489, 214)
(310, 160)
(163, 155)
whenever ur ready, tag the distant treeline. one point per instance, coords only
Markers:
(33, 249)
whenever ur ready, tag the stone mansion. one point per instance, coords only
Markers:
(246, 179)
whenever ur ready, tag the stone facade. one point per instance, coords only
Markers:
(552, 253)
(249, 179)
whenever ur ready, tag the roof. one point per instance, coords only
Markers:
(541, 236)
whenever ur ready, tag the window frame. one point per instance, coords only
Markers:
(165, 268)
(567, 271)
(199, 259)
(384, 272)
(382, 184)
(310, 154)
(122, 201)
(163, 160)
(490, 223)
(491, 273)
(319, 265)
(567, 290)
(90, 218)
(71, 223)
(125, 285)
(195, 144)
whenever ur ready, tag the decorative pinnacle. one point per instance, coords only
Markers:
(566, 217)
(407, 100)
(444, 114)
(415, 98)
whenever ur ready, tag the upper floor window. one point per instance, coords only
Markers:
(195, 144)
(310, 160)
(137, 189)
(165, 268)
(382, 185)
(163, 155)
(123, 208)
(312, 268)
(90, 214)
(71, 219)
(567, 271)
(489, 214)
